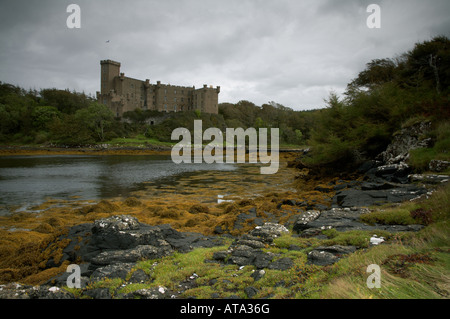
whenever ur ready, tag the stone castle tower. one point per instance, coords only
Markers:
(122, 94)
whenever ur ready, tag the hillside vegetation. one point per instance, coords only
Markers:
(389, 94)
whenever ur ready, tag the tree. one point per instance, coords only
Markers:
(43, 115)
(97, 118)
(64, 100)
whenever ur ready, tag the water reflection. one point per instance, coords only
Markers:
(29, 180)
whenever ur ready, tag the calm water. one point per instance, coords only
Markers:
(30, 180)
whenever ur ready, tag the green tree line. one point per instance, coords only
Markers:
(388, 93)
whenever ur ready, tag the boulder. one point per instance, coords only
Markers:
(123, 238)
(405, 140)
(328, 255)
(302, 220)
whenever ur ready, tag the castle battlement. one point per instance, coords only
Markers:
(122, 94)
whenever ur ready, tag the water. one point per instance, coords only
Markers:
(30, 180)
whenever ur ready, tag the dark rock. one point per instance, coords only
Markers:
(339, 219)
(429, 178)
(321, 258)
(251, 291)
(345, 219)
(269, 231)
(367, 166)
(305, 218)
(18, 291)
(376, 186)
(282, 264)
(324, 256)
(258, 274)
(124, 233)
(262, 260)
(61, 280)
(352, 197)
(220, 256)
(98, 293)
(119, 270)
(138, 276)
(131, 255)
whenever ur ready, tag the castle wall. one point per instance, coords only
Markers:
(123, 94)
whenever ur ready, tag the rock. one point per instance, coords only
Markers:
(429, 178)
(282, 264)
(365, 186)
(220, 256)
(131, 255)
(244, 255)
(337, 218)
(321, 258)
(405, 140)
(18, 291)
(305, 218)
(258, 274)
(125, 233)
(269, 231)
(345, 219)
(324, 256)
(367, 166)
(138, 276)
(119, 270)
(386, 192)
(251, 291)
(438, 166)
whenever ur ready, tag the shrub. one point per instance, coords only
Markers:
(423, 216)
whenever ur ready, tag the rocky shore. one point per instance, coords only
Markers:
(297, 236)
(110, 248)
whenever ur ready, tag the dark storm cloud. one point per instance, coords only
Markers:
(290, 51)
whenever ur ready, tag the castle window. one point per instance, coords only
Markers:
(175, 108)
(175, 99)
(175, 92)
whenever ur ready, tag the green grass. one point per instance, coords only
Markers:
(137, 141)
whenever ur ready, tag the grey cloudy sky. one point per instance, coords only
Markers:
(293, 52)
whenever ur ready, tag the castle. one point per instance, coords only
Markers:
(122, 94)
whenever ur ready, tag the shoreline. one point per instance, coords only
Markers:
(115, 150)
(36, 150)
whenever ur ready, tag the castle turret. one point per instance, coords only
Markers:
(109, 70)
